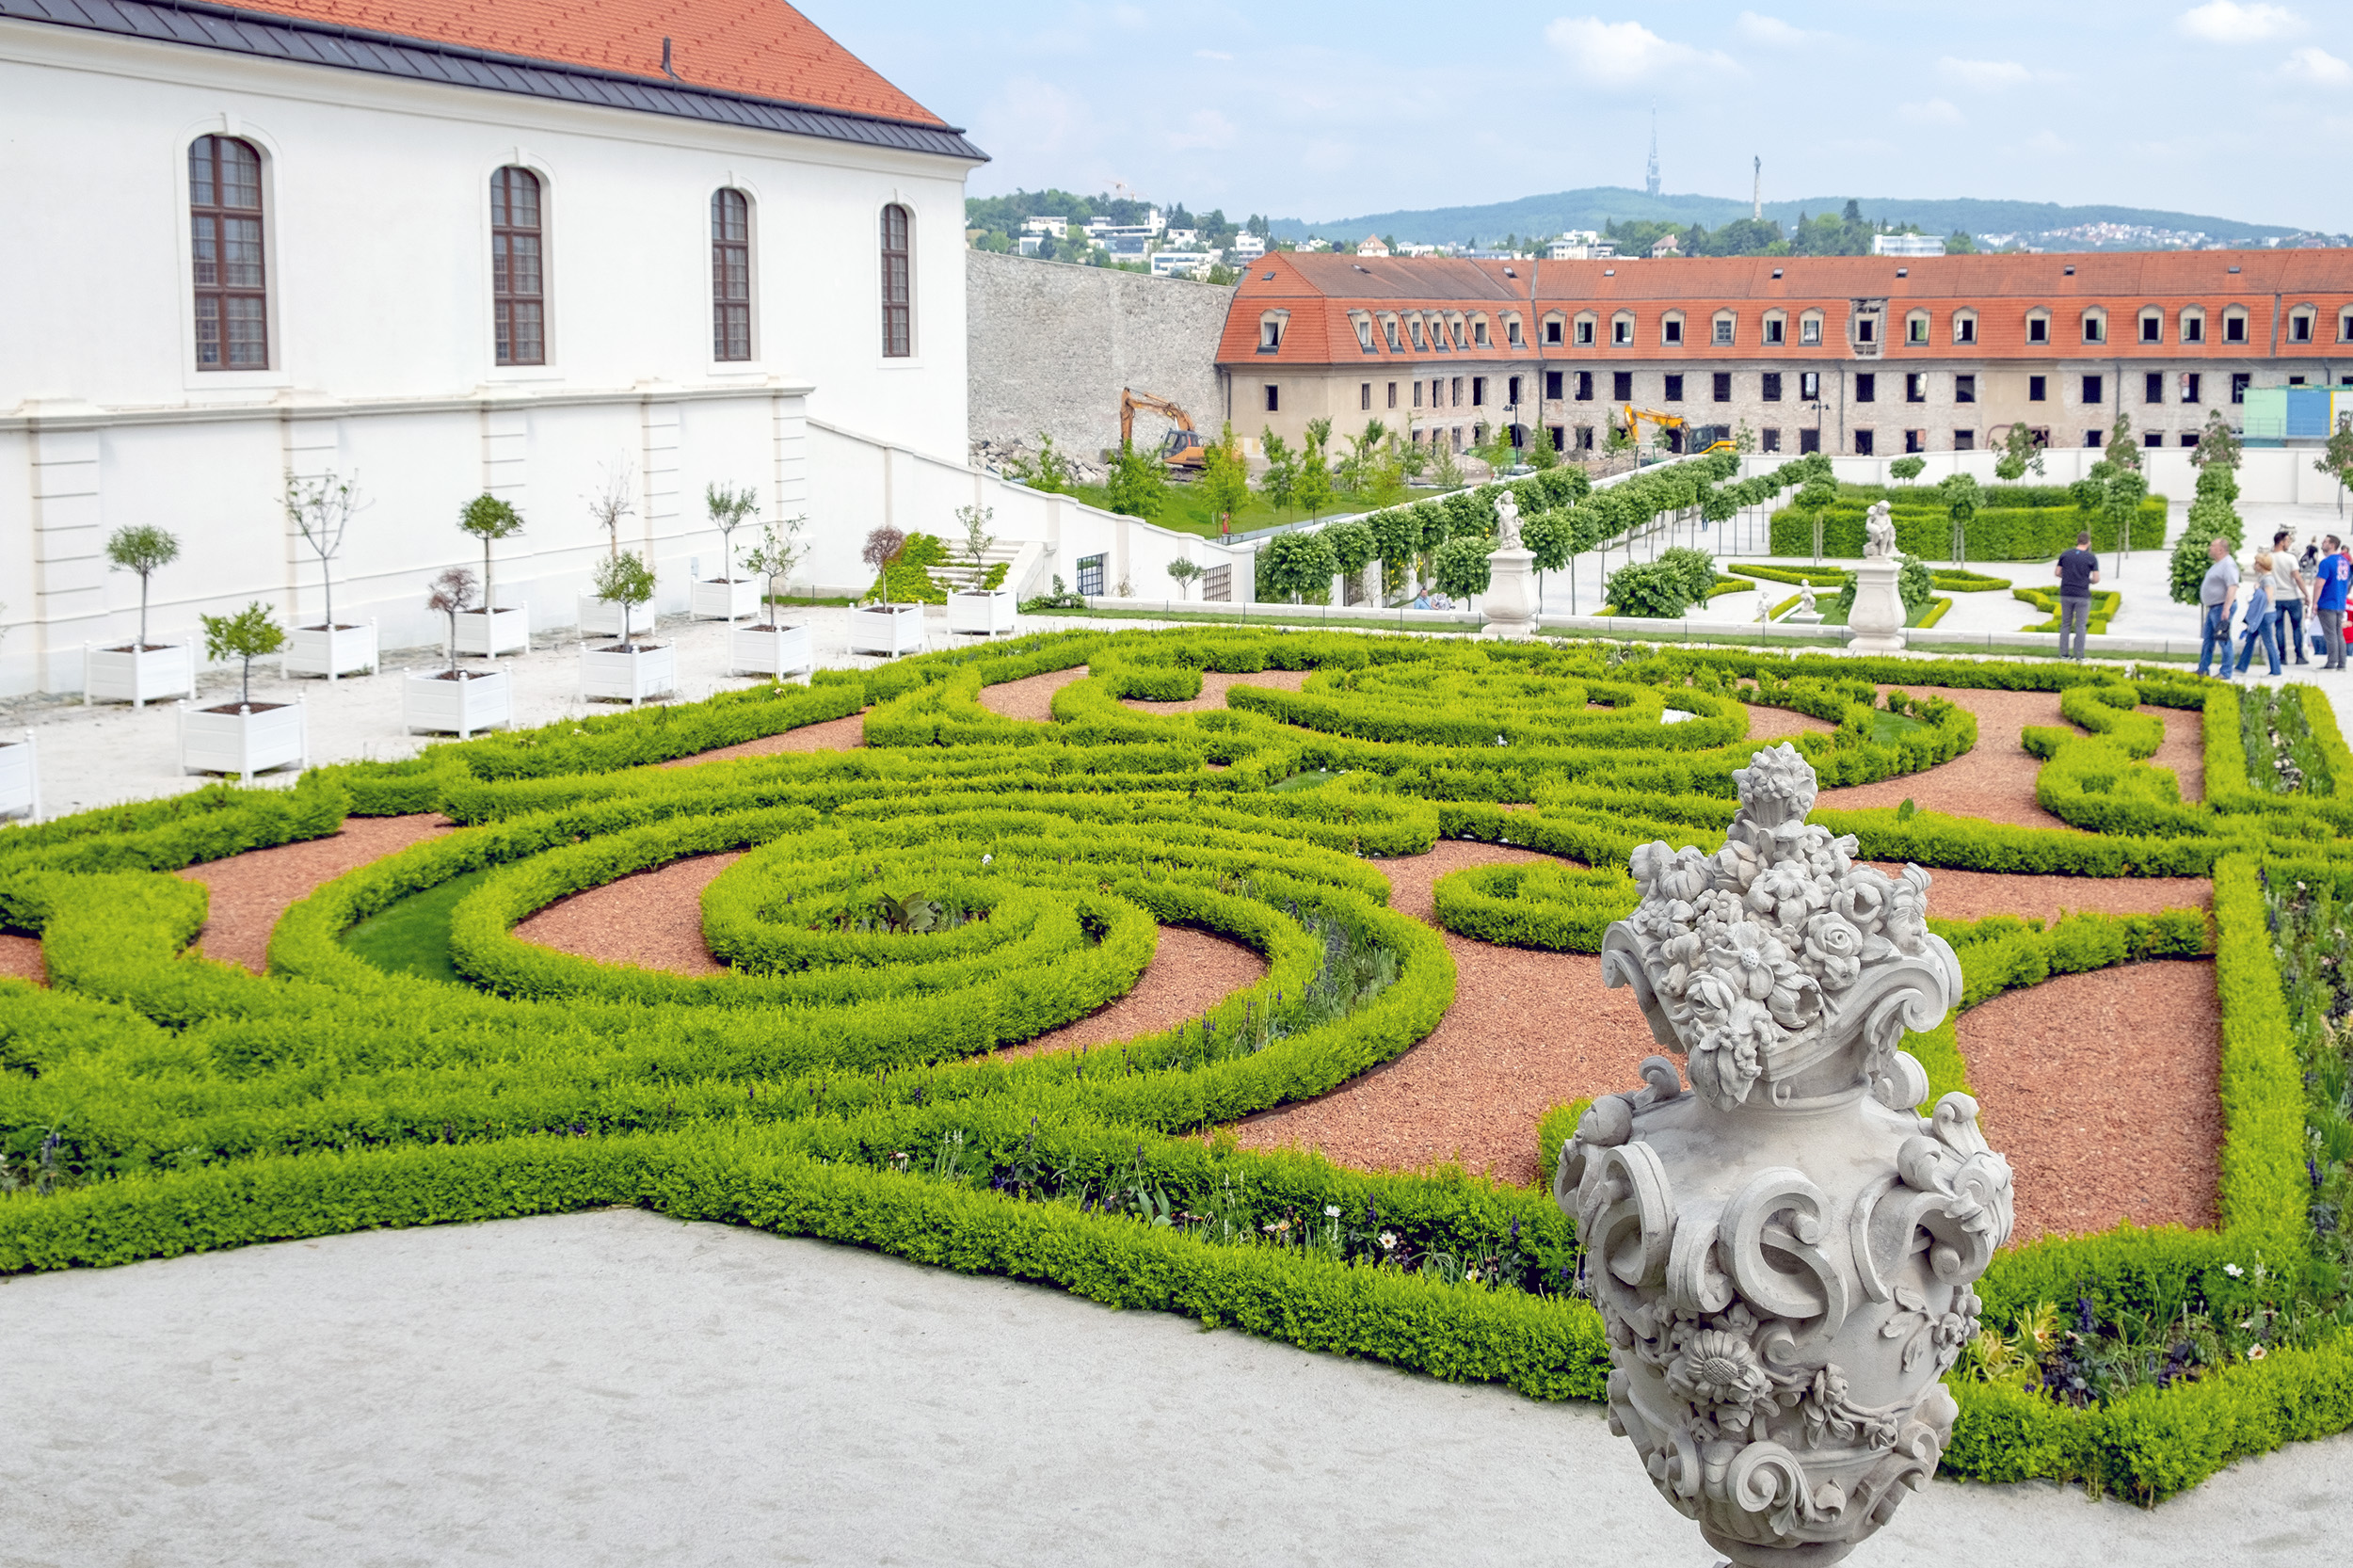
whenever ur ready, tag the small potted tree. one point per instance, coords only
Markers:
(772, 649)
(609, 505)
(242, 737)
(320, 510)
(456, 700)
(728, 597)
(979, 608)
(491, 629)
(1184, 571)
(885, 628)
(627, 671)
(138, 672)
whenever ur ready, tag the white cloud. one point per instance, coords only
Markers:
(2318, 66)
(1622, 53)
(1204, 130)
(1985, 75)
(1212, 55)
(1936, 111)
(2227, 21)
(1769, 30)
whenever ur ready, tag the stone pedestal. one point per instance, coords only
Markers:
(1877, 617)
(1510, 602)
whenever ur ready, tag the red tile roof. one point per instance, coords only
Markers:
(758, 48)
(1320, 291)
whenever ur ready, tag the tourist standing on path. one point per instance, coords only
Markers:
(2289, 589)
(2256, 623)
(2332, 574)
(2214, 597)
(2078, 570)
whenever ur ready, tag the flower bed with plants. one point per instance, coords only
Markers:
(843, 1079)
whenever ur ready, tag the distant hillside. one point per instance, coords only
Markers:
(1591, 209)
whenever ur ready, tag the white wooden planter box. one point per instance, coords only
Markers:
(317, 651)
(245, 743)
(496, 631)
(890, 629)
(598, 617)
(774, 652)
(20, 780)
(980, 612)
(727, 599)
(481, 701)
(628, 675)
(137, 676)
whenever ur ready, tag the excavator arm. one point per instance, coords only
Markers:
(1183, 451)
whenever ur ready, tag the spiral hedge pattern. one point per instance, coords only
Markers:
(842, 1079)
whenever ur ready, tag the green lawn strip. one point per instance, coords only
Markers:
(411, 937)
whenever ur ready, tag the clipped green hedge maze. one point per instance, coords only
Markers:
(839, 1082)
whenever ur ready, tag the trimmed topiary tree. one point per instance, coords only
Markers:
(490, 520)
(1463, 567)
(624, 579)
(1297, 567)
(145, 548)
(245, 636)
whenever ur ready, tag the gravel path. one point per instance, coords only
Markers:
(653, 920)
(20, 959)
(1955, 895)
(2101, 1089)
(1032, 696)
(1528, 1031)
(844, 734)
(249, 891)
(1996, 778)
(1216, 683)
(1190, 973)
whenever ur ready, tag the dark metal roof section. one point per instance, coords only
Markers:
(205, 26)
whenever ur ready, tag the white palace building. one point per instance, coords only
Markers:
(442, 249)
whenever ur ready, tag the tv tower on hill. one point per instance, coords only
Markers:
(1650, 181)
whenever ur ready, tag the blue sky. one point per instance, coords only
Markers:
(1321, 112)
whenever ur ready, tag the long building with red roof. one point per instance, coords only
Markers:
(1854, 355)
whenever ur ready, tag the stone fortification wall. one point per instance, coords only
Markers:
(1050, 345)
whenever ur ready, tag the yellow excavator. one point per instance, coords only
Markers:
(1183, 450)
(1666, 421)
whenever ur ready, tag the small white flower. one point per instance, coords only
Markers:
(1332, 1211)
(2232, 1269)
(986, 859)
(2254, 1353)
(1389, 1240)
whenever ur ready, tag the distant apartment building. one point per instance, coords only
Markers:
(1857, 355)
(1248, 246)
(1057, 226)
(1906, 244)
(1370, 246)
(1579, 245)
(1183, 264)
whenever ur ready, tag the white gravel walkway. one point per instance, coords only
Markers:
(620, 1388)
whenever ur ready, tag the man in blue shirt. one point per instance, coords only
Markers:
(2330, 578)
(2078, 570)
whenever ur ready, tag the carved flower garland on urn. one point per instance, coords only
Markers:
(1783, 1250)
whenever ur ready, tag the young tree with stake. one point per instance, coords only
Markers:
(612, 501)
(977, 538)
(247, 636)
(1184, 571)
(321, 509)
(624, 579)
(451, 596)
(145, 548)
(489, 518)
(1961, 499)
(882, 548)
(729, 509)
(779, 551)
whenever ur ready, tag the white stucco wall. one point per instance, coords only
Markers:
(376, 201)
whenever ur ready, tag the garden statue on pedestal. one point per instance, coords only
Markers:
(1806, 614)
(1509, 599)
(1783, 1251)
(1877, 617)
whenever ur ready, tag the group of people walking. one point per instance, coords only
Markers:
(2280, 587)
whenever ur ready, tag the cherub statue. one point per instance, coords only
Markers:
(1507, 522)
(1879, 534)
(1806, 599)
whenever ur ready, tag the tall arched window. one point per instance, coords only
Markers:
(730, 275)
(517, 268)
(897, 288)
(231, 293)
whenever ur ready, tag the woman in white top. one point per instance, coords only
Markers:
(2256, 623)
(2288, 593)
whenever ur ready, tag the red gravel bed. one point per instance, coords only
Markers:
(1767, 723)
(1974, 895)
(845, 734)
(2102, 1089)
(1190, 973)
(653, 920)
(20, 959)
(249, 891)
(2184, 748)
(1528, 1031)
(1032, 696)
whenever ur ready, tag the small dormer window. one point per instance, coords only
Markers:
(1670, 330)
(1964, 326)
(1916, 330)
(1810, 330)
(1364, 334)
(2152, 326)
(2038, 328)
(2193, 325)
(1479, 331)
(1513, 329)
(1388, 330)
(1866, 330)
(1415, 326)
(1622, 331)
(2095, 326)
(2300, 327)
(1722, 336)
(1776, 329)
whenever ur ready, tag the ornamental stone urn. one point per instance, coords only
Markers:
(1782, 1250)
